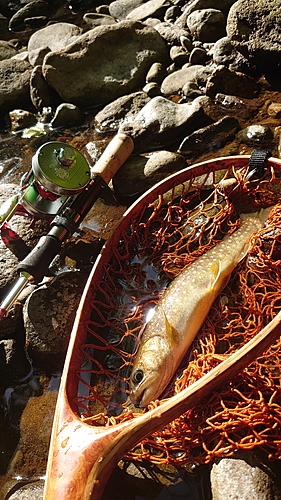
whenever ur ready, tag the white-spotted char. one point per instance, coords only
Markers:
(182, 309)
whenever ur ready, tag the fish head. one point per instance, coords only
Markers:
(149, 375)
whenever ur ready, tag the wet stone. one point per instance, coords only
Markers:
(21, 119)
(247, 475)
(7, 50)
(31, 9)
(94, 19)
(123, 109)
(33, 491)
(49, 315)
(171, 33)
(41, 94)
(206, 25)
(139, 173)
(152, 89)
(256, 135)
(67, 114)
(174, 82)
(14, 364)
(14, 85)
(35, 424)
(156, 73)
(179, 55)
(225, 81)
(274, 110)
(254, 30)
(149, 9)
(197, 55)
(162, 122)
(212, 137)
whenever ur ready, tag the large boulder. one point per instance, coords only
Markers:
(104, 63)
(254, 29)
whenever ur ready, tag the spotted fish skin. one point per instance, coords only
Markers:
(182, 309)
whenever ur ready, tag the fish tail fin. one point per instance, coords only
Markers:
(262, 215)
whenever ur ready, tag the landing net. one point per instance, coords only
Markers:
(166, 237)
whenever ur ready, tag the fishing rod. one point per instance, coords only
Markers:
(61, 185)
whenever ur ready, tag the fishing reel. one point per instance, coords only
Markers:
(58, 172)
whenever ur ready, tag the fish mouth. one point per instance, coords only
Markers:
(136, 400)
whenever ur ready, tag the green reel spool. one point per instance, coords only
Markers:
(58, 171)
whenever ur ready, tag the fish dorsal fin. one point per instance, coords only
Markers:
(171, 332)
(215, 272)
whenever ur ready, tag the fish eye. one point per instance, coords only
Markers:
(138, 376)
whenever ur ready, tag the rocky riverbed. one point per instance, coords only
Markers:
(188, 81)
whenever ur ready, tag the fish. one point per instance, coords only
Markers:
(183, 308)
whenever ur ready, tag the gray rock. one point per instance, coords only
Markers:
(34, 491)
(256, 135)
(41, 94)
(197, 55)
(206, 25)
(156, 73)
(20, 119)
(102, 9)
(223, 5)
(172, 13)
(186, 43)
(162, 122)
(139, 173)
(174, 82)
(7, 50)
(223, 52)
(171, 33)
(121, 8)
(14, 364)
(67, 115)
(31, 9)
(125, 108)
(48, 316)
(179, 55)
(225, 81)
(93, 19)
(246, 475)
(55, 36)
(148, 9)
(274, 110)
(36, 56)
(210, 138)
(14, 85)
(152, 89)
(191, 90)
(128, 49)
(254, 29)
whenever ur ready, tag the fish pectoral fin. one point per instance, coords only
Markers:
(215, 273)
(171, 332)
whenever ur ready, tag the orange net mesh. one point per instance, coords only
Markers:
(165, 238)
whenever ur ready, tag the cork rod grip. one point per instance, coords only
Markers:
(114, 155)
